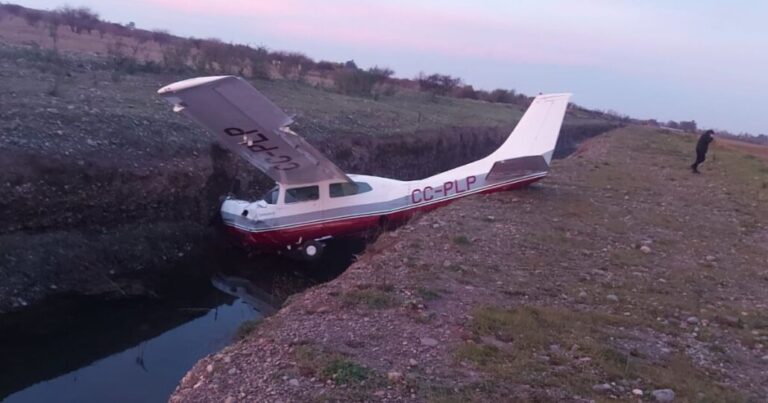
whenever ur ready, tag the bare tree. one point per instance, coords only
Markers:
(259, 61)
(292, 64)
(53, 23)
(140, 38)
(12, 9)
(32, 17)
(102, 29)
(79, 19)
(161, 36)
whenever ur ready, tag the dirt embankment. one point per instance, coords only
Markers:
(622, 276)
(102, 186)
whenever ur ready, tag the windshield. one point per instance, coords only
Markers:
(271, 196)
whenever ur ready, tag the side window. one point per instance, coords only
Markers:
(348, 189)
(306, 193)
(271, 196)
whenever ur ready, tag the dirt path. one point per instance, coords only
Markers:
(748, 148)
(622, 276)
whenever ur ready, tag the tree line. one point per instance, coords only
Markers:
(212, 56)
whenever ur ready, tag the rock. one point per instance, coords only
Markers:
(602, 388)
(637, 392)
(293, 382)
(428, 341)
(663, 395)
(583, 295)
(612, 298)
(394, 376)
(229, 399)
(692, 320)
(412, 363)
(645, 249)
(709, 258)
(764, 358)
(209, 368)
(732, 321)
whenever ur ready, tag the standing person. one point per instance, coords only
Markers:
(701, 149)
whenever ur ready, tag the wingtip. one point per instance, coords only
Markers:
(190, 83)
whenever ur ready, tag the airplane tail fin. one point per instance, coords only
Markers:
(537, 132)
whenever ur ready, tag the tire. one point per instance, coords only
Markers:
(312, 251)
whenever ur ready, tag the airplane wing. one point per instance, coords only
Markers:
(253, 127)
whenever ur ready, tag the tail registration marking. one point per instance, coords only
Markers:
(457, 186)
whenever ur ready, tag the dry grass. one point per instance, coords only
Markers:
(330, 366)
(551, 347)
(371, 296)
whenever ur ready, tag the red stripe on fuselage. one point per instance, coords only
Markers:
(350, 226)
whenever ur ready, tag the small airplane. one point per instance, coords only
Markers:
(314, 200)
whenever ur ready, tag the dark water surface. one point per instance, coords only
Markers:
(81, 349)
(147, 371)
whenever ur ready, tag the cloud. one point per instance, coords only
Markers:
(452, 31)
(634, 37)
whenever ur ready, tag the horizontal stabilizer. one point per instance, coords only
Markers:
(517, 168)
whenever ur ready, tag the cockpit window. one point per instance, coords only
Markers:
(301, 194)
(271, 196)
(348, 189)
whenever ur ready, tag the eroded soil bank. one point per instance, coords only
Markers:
(621, 277)
(103, 188)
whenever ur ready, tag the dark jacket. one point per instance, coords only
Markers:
(703, 145)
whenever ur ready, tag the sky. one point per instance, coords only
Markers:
(704, 60)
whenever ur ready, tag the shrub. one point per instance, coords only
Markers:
(438, 84)
(501, 96)
(176, 55)
(467, 92)
(361, 82)
(325, 65)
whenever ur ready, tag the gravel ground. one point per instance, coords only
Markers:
(621, 277)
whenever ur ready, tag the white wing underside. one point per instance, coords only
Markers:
(250, 125)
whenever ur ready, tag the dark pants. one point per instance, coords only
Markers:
(700, 157)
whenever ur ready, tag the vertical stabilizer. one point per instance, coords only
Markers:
(537, 131)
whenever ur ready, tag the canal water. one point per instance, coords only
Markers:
(85, 349)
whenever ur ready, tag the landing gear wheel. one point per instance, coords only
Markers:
(312, 250)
